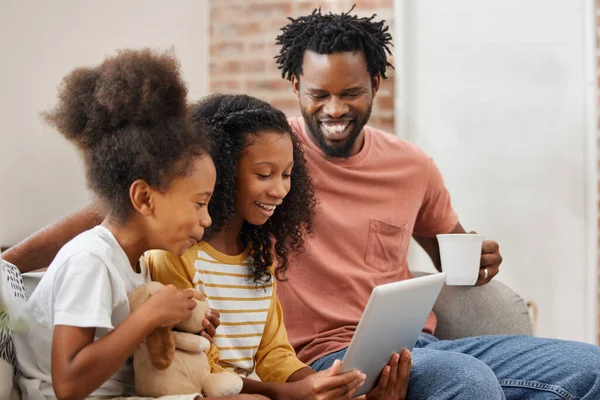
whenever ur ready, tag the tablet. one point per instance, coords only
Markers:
(392, 320)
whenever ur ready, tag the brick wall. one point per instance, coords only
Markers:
(242, 47)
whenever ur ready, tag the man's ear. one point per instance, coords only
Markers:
(140, 194)
(375, 81)
(296, 86)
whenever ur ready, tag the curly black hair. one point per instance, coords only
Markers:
(333, 33)
(229, 119)
(128, 116)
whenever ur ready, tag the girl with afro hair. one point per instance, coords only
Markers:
(262, 210)
(154, 177)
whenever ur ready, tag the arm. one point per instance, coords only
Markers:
(285, 377)
(80, 365)
(39, 249)
(253, 386)
(239, 397)
(436, 215)
(83, 300)
(328, 384)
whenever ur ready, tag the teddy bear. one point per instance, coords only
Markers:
(173, 362)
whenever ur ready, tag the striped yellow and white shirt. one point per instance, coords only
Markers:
(251, 335)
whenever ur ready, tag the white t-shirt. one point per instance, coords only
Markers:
(85, 286)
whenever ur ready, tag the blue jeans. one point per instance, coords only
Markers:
(499, 367)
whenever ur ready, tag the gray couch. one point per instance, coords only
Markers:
(493, 309)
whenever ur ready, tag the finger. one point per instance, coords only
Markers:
(214, 319)
(214, 312)
(185, 315)
(394, 364)
(209, 328)
(491, 272)
(334, 369)
(491, 259)
(489, 246)
(403, 373)
(384, 379)
(344, 380)
(345, 388)
(191, 304)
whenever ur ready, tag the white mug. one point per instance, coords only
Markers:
(460, 254)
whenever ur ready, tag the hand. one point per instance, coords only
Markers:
(211, 323)
(170, 306)
(393, 382)
(325, 385)
(490, 261)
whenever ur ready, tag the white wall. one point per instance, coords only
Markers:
(41, 175)
(502, 94)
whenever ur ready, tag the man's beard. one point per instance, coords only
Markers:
(343, 151)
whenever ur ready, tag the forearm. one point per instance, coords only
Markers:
(240, 397)
(269, 389)
(38, 250)
(275, 390)
(95, 363)
(301, 374)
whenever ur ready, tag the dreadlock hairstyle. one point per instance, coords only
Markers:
(333, 33)
(230, 120)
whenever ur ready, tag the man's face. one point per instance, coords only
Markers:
(336, 94)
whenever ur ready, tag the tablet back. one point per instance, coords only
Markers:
(392, 320)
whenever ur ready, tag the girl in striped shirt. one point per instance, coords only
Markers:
(261, 209)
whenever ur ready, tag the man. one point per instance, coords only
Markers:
(376, 192)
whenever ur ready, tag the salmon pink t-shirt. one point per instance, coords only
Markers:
(370, 205)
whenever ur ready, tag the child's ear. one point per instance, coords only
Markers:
(140, 194)
(161, 347)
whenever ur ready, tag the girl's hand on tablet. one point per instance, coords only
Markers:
(329, 384)
(393, 382)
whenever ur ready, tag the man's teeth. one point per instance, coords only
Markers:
(265, 206)
(335, 129)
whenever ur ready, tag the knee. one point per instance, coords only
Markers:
(581, 361)
(447, 375)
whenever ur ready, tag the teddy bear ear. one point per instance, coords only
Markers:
(161, 347)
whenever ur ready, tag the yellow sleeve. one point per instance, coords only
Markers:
(169, 269)
(213, 360)
(275, 357)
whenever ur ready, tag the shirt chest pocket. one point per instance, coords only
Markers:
(386, 245)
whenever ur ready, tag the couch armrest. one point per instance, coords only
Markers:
(492, 309)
